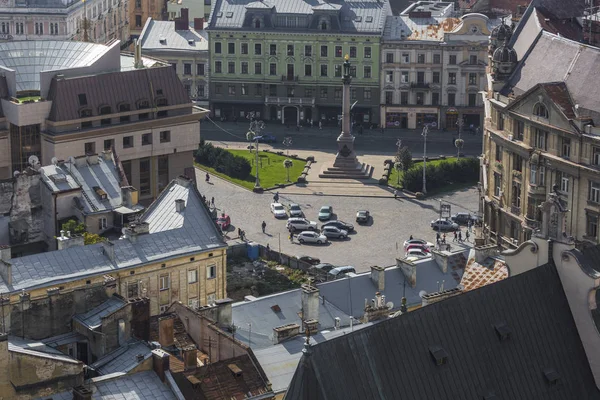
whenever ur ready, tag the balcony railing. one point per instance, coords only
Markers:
(515, 210)
(289, 78)
(309, 101)
(536, 190)
(419, 85)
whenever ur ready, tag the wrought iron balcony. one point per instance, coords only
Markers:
(289, 78)
(308, 101)
(419, 85)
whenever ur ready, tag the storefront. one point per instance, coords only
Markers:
(451, 120)
(411, 117)
(396, 120)
(236, 111)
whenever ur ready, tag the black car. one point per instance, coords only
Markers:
(310, 260)
(463, 218)
(340, 225)
(363, 216)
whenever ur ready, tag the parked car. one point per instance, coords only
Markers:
(300, 224)
(463, 218)
(334, 233)
(444, 225)
(340, 272)
(417, 253)
(265, 139)
(325, 267)
(418, 247)
(295, 211)
(224, 221)
(363, 216)
(311, 237)
(278, 210)
(422, 242)
(325, 213)
(339, 224)
(310, 260)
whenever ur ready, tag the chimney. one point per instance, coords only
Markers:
(5, 253)
(160, 363)
(484, 252)
(190, 354)
(198, 24)
(82, 393)
(5, 265)
(183, 180)
(165, 331)
(135, 229)
(310, 303)
(92, 159)
(64, 242)
(183, 22)
(378, 277)
(224, 313)
(409, 269)
(137, 54)
(179, 205)
(108, 249)
(130, 196)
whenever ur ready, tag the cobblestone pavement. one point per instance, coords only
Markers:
(375, 244)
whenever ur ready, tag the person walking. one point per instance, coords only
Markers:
(455, 237)
(291, 237)
(395, 194)
(437, 237)
(460, 236)
(264, 226)
(444, 238)
(320, 124)
(212, 201)
(240, 233)
(207, 177)
(467, 236)
(268, 248)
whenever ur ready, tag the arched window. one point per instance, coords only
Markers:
(540, 110)
(257, 23)
(323, 25)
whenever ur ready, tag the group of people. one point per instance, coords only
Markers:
(458, 237)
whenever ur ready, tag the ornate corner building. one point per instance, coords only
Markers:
(540, 132)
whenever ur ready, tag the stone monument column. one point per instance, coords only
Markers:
(346, 158)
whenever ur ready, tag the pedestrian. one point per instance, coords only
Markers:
(264, 226)
(212, 201)
(437, 237)
(460, 236)
(240, 233)
(448, 247)
(298, 127)
(467, 235)
(444, 238)
(291, 237)
(455, 237)
(204, 199)
(382, 129)
(411, 237)
(320, 124)
(396, 196)
(268, 248)
(207, 177)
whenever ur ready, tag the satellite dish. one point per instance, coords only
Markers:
(390, 305)
(33, 160)
(422, 293)
(54, 161)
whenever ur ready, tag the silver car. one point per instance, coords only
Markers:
(295, 211)
(444, 225)
(311, 237)
(334, 233)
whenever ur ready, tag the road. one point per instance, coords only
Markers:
(371, 142)
(376, 244)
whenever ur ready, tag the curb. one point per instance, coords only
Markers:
(223, 179)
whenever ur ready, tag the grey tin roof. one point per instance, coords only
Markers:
(93, 318)
(392, 359)
(155, 31)
(37, 349)
(123, 359)
(366, 16)
(195, 233)
(57, 178)
(102, 174)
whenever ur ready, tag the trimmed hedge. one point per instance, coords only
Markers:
(462, 170)
(222, 161)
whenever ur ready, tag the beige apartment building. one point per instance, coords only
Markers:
(541, 134)
(96, 99)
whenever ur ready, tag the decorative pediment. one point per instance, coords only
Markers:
(290, 60)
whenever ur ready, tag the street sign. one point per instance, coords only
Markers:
(445, 210)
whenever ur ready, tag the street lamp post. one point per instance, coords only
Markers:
(424, 134)
(256, 127)
(460, 123)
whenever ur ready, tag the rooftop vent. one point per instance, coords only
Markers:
(191, 42)
(58, 178)
(162, 40)
(276, 308)
(369, 19)
(358, 19)
(503, 331)
(439, 355)
(219, 15)
(100, 192)
(229, 15)
(551, 375)
(235, 370)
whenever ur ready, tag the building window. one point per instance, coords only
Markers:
(218, 88)
(594, 192)
(324, 51)
(389, 97)
(231, 67)
(192, 276)
(230, 48)
(308, 92)
(519, 129)
(352, 51)
(437, 59)
(403, 98)
(353, 71)
(200, 69)
(540, 139)
(307, 70)
(497, 184)
(473, 59)
(421, 58)
(187, 69)
(517, 163)
(272, 90)
(19, 26)
(290, 49)
(259, 89)
(257, 68)
(337, 71)
(566, 148)
(472, 78)
(257, 49)
(405, 58)
(307, 50)
(451, 99)
(472, 99)
(138, 21)
(500, 124)
(591, 225)
(218, 47)
(367, 94)
(132, 290)
(389, 76)
(53, 28)
(231, 90)
(218, 67)
(420, 77)
(435, 99)
(324, 70)
(420, 98)
(564, 181)
(163, 282)
(596, 156)
(452, 78)
(102, 224)
(404, 76)
(109, 144)
(127, 142)
(244, 48)
(337, 94)
(146, 139)
(452, 59)
(367, 71)
(272, 69)
(272, 49)
(211, 271)
(90, 148)
(323, 92)
(338, 51)
(516, 195)
(367, 52)
(389, 58)
(498, 153)
(145, 188)
(540, 110)
(211, 298)
(82, 99)
(290, 91)
(536, 175)
(244, 67)
(5, 27)
(105, 110)
(39, 28)
(165, 136)
(435, 77)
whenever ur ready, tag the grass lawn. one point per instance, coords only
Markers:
(393, 180)
(271, 170)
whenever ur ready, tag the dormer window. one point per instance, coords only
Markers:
(540, 110)
(143, 104)
(105, 110)
(85, 113)
(161, 102)
(323, 25)
(123, 108)
(257, 24)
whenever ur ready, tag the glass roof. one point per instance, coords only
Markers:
(29, 58)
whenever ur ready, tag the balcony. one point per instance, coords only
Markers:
(531, 223)
(515, 210)
(289, 78)
(536, 190)
(419, 85)
(298, 101)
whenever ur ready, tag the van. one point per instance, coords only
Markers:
(339, 272)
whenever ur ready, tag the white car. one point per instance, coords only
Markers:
(417, 253)
(311, 237)
(300, 224)
(444, 225)
(420, 242)
(278, 210)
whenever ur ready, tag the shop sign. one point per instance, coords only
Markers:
(452, 111)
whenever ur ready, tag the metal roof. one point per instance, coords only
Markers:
(102, 174)
(123, 359)
(37, 349)
(197, 233)
(30, 57)
(393, 359)
(57, 178)
(93, 318)
(161, 35)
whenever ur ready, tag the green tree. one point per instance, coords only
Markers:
(404, 157)
(92, 238)
(287, 164)
(73, 226)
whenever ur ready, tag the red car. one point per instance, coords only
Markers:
(224, 221)
(418, 246)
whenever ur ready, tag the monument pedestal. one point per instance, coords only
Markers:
(346, 164)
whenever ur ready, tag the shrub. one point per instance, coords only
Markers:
(222, 161)
(446, 172)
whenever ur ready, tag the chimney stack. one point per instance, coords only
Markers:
(198, 24)
(5, 253)
(137, 54)
(378, 277)
(190, 354)
(183, 22)
(179, 205)
(165, 331)
(64, 242)
(82, 393)
(108, 249)
(310, 303)
(160, 363)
